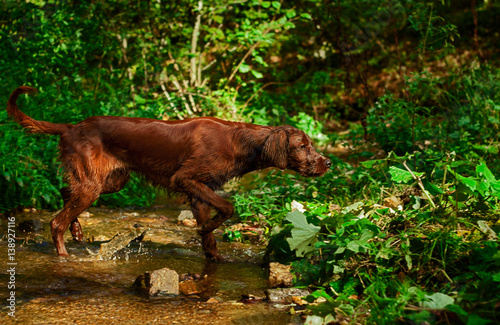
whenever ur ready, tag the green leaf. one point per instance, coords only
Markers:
(402, 176)
(257, 74)
(259, 59)
(266, 4)
(290, 14)
(46, 197)
(483, 226)
(371, 163)
(317, 294)
(218, 19)
(486, 148)
(303, 233)
(305, 15)
(244, 68)
(139, 100)
(409, 262)
(358, 246)
(433, 189)
(340, 250)
(337, 269)
(353, 207)
(458, 163)
(400, 159)
(485, 172)
(276, 4)
(366, 235)
(353, 246)
(437, 300)
(467, 181)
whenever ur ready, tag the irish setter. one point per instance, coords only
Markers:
(193, 157)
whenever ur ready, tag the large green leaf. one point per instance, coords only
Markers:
(437, 300)
(470, 182)
(303, 233)
(485, 172)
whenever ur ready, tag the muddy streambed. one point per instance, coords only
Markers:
(85, 290)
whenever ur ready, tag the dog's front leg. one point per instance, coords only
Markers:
(204, 199)
(201, 212)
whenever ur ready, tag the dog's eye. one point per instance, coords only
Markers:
(303, 146)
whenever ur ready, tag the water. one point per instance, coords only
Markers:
(83, 289)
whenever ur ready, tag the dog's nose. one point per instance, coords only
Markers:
(328, 163)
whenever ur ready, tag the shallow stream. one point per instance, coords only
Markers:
(85, 290)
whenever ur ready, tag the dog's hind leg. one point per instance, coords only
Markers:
(81, 197)
(75, 227)
(76, 200)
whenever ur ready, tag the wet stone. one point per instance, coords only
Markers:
(165, 281)
(185, 214)
(84, 214)
(186, 218)
(190, 287)
(280, 275)
(189, 276)
(31, 225)
(285, 295)
(250, 299)
(119, 242)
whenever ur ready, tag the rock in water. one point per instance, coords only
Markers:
(280, 275)
(160, 281)
(186, 218)
(118, 242)
(285, 294)
(190, 287)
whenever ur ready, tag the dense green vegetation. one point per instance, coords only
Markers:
(404, 96)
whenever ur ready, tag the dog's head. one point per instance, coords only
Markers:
(290, 148)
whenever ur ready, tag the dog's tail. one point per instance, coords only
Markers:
(29, 123)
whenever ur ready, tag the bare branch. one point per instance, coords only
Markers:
(194, 42)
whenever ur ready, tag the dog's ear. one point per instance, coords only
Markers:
(275, 148)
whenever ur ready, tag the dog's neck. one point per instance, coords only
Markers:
(251, 141)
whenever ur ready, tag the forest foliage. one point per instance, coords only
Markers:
(404, 97)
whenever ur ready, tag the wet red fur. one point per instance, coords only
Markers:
(193, 157)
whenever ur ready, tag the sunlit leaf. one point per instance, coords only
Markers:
(409, 262)
(485, 172)
(371, 163)
(244, 68)
(303, 233)
(290, 14)
(402, 176)
(139, 100)
(257, 74)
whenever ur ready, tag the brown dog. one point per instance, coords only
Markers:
(193, 157)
